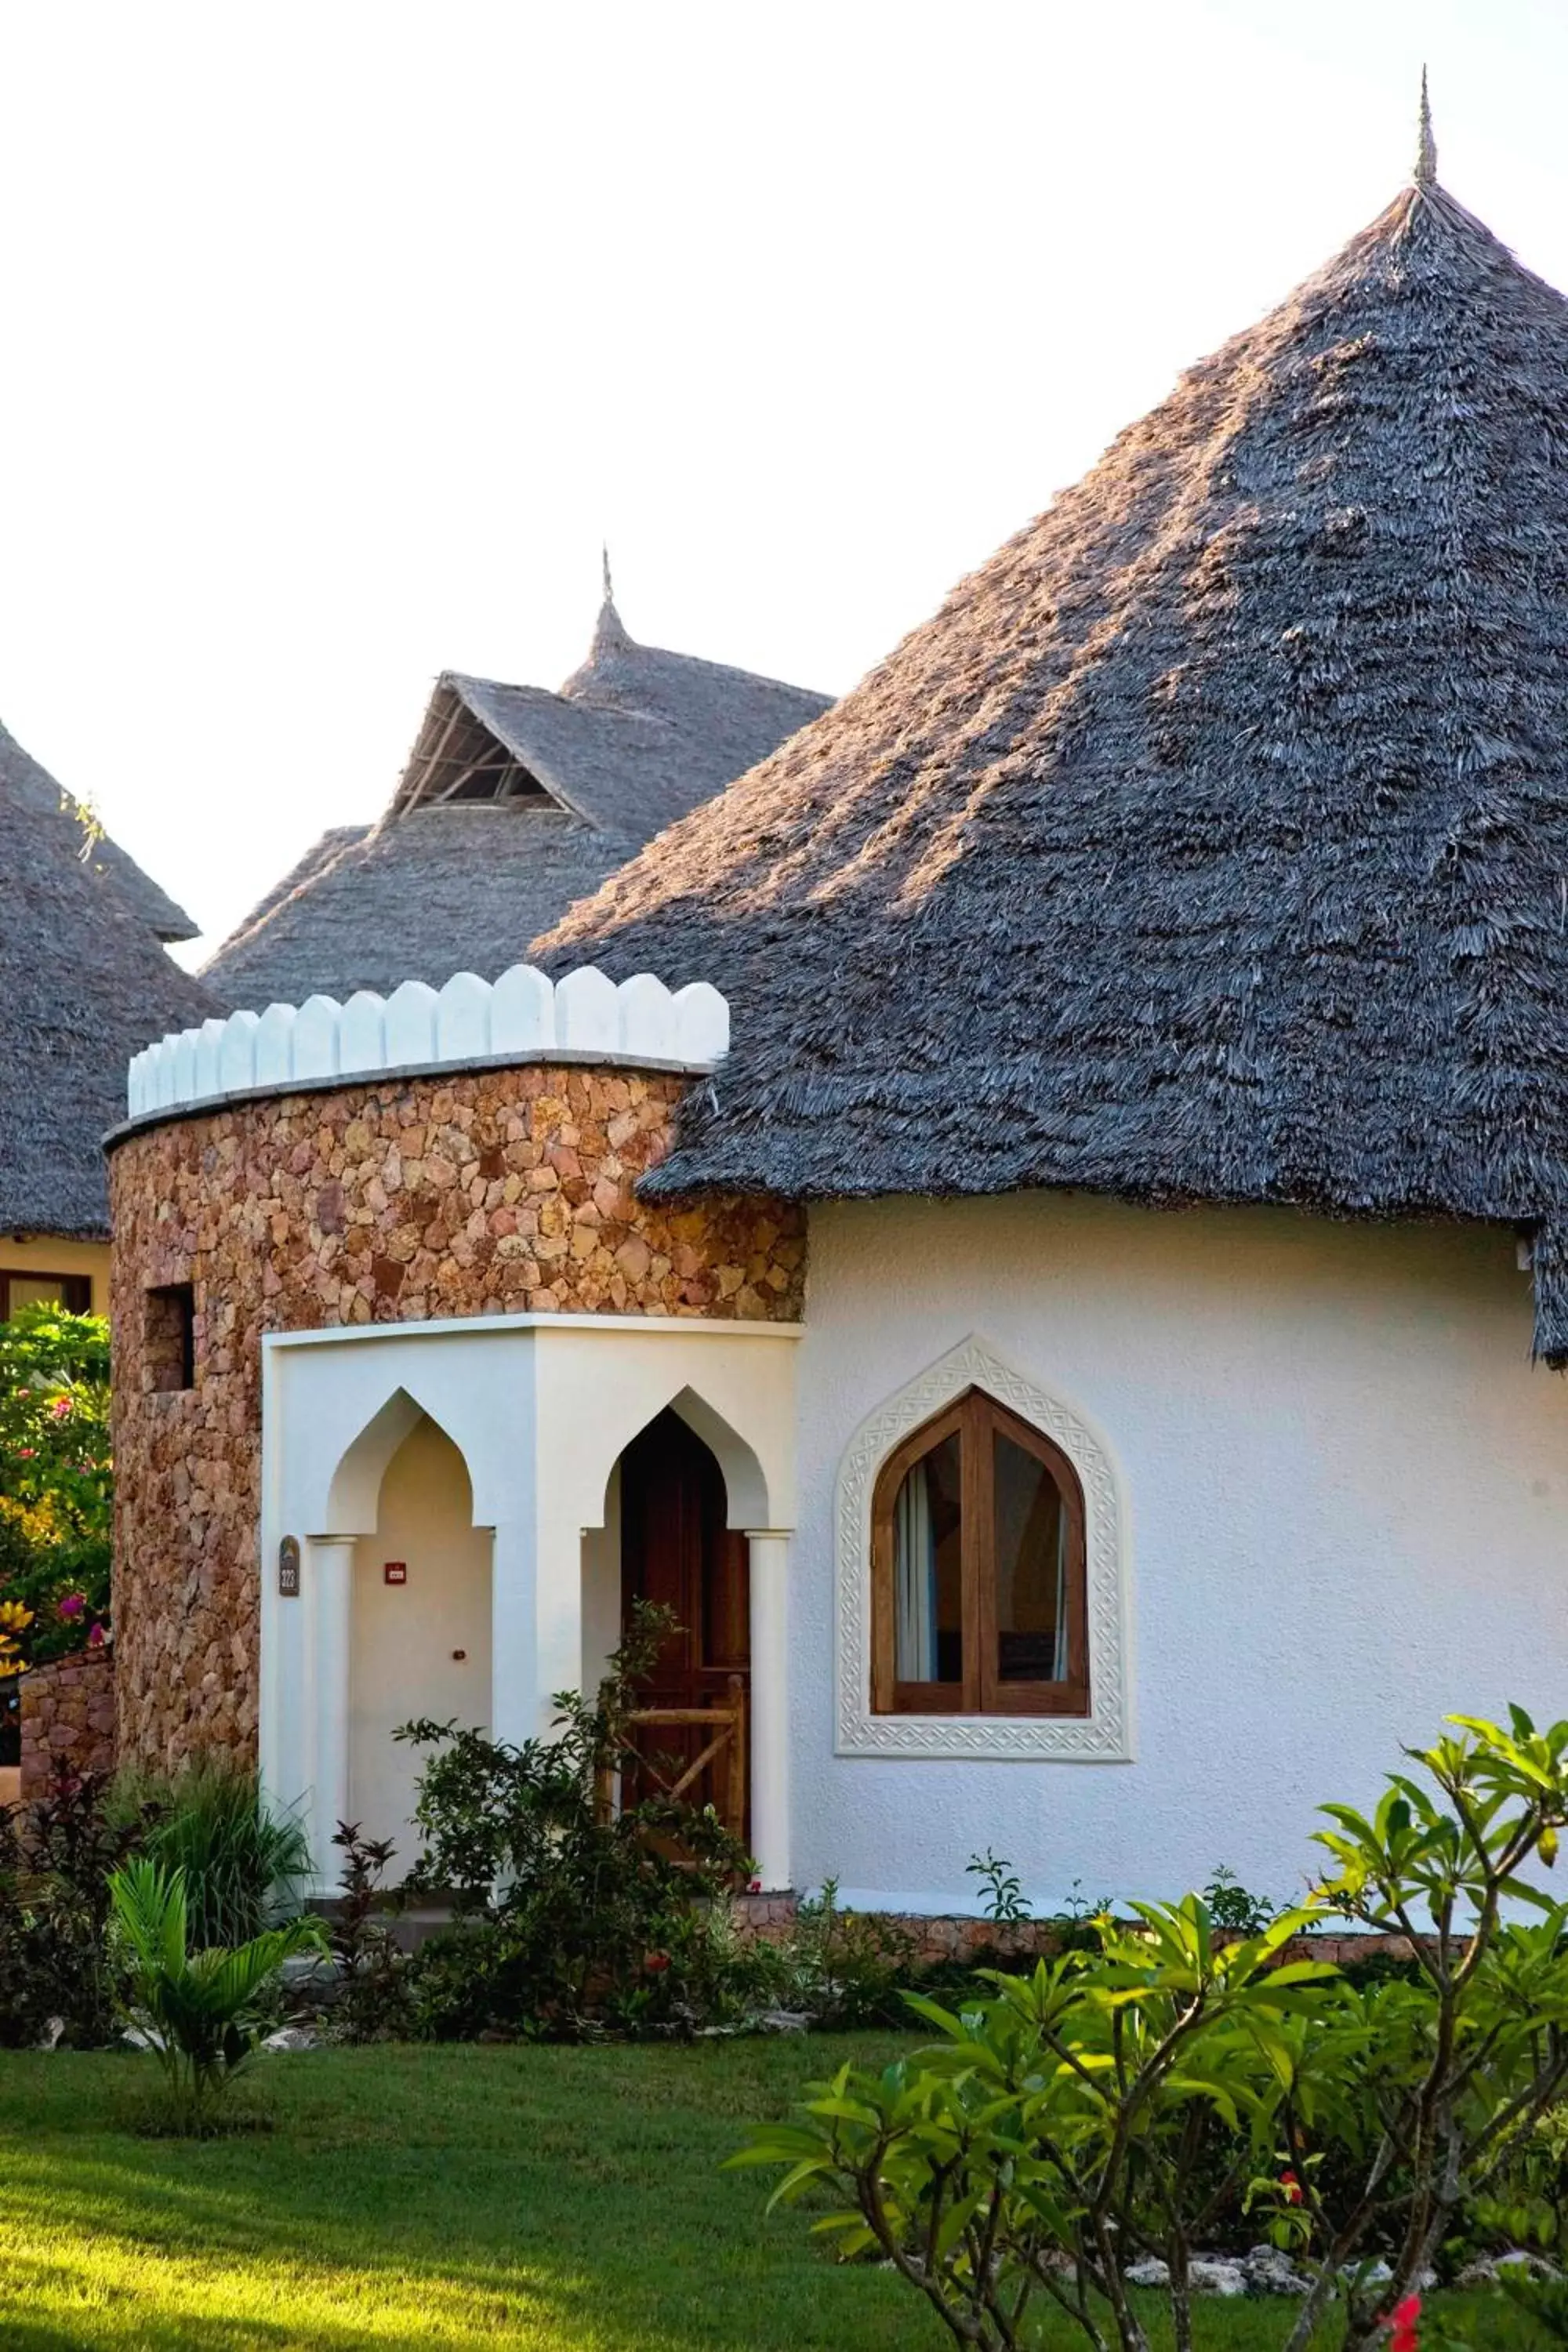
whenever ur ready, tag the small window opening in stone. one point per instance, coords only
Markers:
(171, 1336)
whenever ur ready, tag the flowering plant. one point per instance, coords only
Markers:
(56, 1482)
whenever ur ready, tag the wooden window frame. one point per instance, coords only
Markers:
(76, 1290)
(976, 1419)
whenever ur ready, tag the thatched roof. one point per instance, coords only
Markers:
(1212, 840)
(514, 802)
(84, 984)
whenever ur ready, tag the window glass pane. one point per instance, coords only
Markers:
(1031, 1568)
(35, 1290)
(928, 1590)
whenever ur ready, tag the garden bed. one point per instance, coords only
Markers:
(559, 2200)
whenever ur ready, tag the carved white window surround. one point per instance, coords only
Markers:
(1102, 1736)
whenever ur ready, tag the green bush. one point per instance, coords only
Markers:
(56, 1853)
(56, 1481)
(1119, 2103)
(587, 1924)
(244, 1866)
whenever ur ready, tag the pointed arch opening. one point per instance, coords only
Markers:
(420, 1615)
(669, 1542)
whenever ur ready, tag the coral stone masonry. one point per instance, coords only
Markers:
(404, 1199)
(68, 1718)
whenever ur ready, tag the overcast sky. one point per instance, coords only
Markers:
(339, 333)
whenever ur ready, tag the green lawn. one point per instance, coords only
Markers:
(568, 2198)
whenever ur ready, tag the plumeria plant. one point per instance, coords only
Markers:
(1122, 2102)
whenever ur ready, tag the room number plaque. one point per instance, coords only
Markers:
(288, 1568)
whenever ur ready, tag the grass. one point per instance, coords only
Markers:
(532, 2198)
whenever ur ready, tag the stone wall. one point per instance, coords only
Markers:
(490, 1191)
(67, 1716)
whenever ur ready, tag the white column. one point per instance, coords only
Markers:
(328, 1596)
(558, 1603)
(514, 1647)
(769, 1705)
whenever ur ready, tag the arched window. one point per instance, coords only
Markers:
(978, 1560)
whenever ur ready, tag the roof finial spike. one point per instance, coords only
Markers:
(604, 558)
(1426, 146)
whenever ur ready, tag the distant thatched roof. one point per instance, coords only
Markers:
(1212, 840)
(84, 984)
(514, 802)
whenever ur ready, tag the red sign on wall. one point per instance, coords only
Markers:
(394, 1571)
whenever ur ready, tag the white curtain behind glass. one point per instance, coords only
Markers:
(1059, 1657)
(914, 1581)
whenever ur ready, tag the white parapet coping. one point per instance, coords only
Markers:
(523, 1016)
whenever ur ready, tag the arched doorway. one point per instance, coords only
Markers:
(679, 1552)
(419, 1629)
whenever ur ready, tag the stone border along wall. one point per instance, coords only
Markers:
(67, 1716)
(475, 1192)
(965, 1940)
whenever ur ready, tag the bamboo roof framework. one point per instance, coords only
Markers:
(514, 802)
(1211, 842)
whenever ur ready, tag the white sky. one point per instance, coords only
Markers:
(337, 333)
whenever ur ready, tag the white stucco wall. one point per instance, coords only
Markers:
(1346, 1513)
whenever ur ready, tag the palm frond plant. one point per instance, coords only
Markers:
(199, 2013)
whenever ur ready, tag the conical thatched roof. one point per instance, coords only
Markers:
(84, 984)
(514, 802)
(1212, 840)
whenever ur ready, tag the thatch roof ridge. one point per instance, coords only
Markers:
(84, 984)
(1211, 842)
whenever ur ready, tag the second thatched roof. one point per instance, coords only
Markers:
(514, 802)
(1211, 843)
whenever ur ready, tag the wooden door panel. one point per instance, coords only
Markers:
(678, 1552)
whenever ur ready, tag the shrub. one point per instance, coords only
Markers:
(844, 1968)
(372, 2003)
(245, 1867)
(1116, 2103)
(56, 1854)
(588, 1923)
(199, 2013)
(55, 1480)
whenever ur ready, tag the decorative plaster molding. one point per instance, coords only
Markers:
(522, 1017)
(1105, 1734)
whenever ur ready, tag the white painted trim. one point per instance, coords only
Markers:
(523, 1017)
(1105, 1734)
(468, 1326)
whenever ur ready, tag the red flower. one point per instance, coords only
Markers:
(1293, 2187)
(61, 1407)
(1403, 2337)
(656, 1963)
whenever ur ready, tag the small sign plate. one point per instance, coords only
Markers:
(288, 1568)
(394, 1571)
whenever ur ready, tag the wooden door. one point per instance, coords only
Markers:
(678, 1552)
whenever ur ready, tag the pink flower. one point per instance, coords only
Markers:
(1403, 2337)
(73, 1605)
(95, 1638)
(61, 1407)
(26, 1452)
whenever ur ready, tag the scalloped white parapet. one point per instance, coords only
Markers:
(523, 1016)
